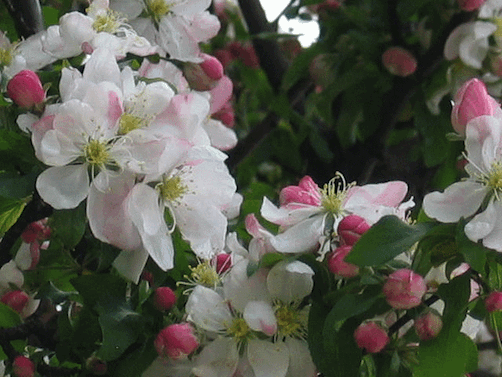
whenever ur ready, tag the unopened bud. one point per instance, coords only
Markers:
(16, 300)
(176, 341)
(428, 326)
(226, 115)
(471, 101)
(164, 298)
(338, 266)
(399, 62)
(212, 67)
(204, 76)
(371, 337)
(404, 289)
(351, 228)
(470, 5)
(25, 89)
(23, 367)
(494, 302)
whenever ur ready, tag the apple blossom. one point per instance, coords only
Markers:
(16, 300)
(464, 198)
(404, 289)
(176, 341)
(469, 41)
(305, 210)
(25, 89)
(371, 337)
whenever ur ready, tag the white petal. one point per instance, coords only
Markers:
(290, 281)
(218, 359)
(207, 309)
(260, 316)
(221, 136)
(461, 199)
(300, 361)
(487, 226)
(268, 359)
(10, 274)
(64, 187)
(300, 238)
(130, 264)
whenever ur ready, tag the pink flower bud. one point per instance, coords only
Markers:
(471, 101)
(404, 289)
(399, 62)
(203, 76)
(224, 56)
(148, 276)
(338, 266)
(428, 326)
(226, 115)
(307, 192)
(470, 5)
(23, 367)
(25, 89)
(494, 302)
(212, 67)
(223, 262)
(96, 366)
(351, 228)
(16, 300)
(371, 337)
(164, 298)
(176, 341)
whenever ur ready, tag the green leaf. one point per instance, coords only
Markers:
(8, 316)
(351, 305)
(120, 325)
(54, 294)
(388, 238)
(270, 259)
(474, 254)
(137, 362)
(10, 210)
(69, 225)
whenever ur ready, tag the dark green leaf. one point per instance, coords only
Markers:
(388, 238)
(351, 305)
(474, 254)
(69, 225)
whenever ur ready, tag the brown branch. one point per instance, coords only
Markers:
(27, 16)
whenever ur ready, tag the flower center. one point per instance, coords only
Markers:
(334, 194)
(5, 56)
(498, 33)
(239, 329)
(130, 122)
(157, 8)
(96, 153)
(494, 178)
(291, 322)
(172, 188)
(205, 274)
(108, 22)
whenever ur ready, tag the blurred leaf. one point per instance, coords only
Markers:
(10, 210)
(13, 185)
(8, 316)
(270, 259)
(388, 238)
(474, 253)
(136, 362)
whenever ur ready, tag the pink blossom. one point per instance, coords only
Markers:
(494, 302)
(205, 75)
(226, 115)
(428, 325)
(338, 266)
(399, 61)
(307, 192)
(23, 367)
(470, 5)
(371, 337)
(164, 298)
(25, 89)
(471, 101)
(176, 341)
(351, 228)
(404, 289)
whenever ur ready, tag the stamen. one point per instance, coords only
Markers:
(6, 56)
(108, 22)
(334, 194)
(96, 153)
(291, 322)
(239, 330)
(171, 189)
(157, 8)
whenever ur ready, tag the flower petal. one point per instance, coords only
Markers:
(268, 359)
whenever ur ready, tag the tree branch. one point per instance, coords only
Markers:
(27, 15)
